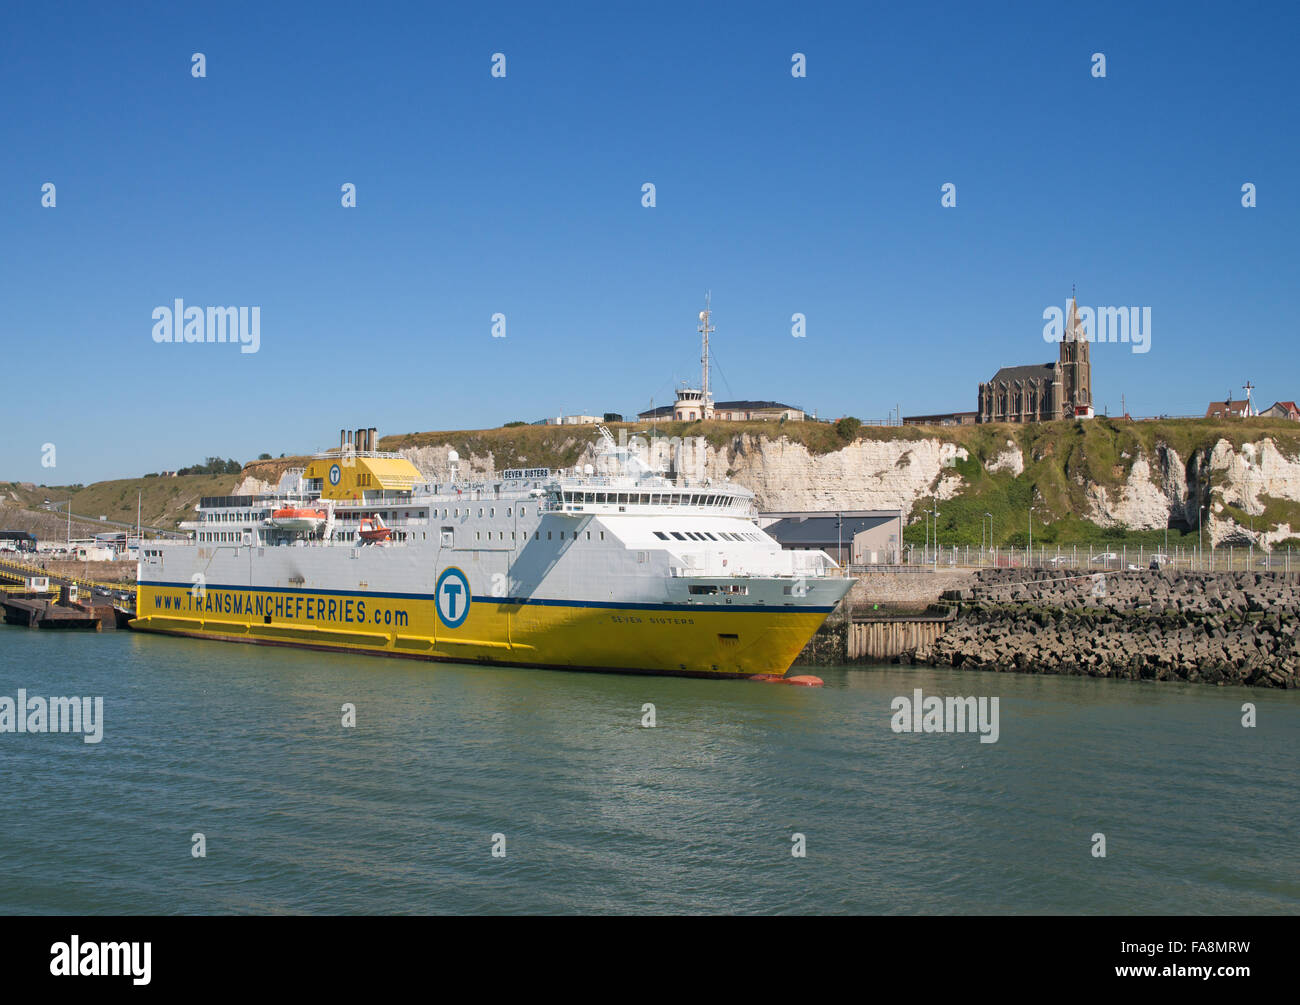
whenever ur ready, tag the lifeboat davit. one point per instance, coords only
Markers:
(298, 519)
(372, 529)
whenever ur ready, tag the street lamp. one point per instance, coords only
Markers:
(1029, 555)
(1200, 547)
(936, 532)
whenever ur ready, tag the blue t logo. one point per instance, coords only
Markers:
(451, 586)
(451, 591)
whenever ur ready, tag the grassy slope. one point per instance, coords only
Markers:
(560, 446)
(164, 502)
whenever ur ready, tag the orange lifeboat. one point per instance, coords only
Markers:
(298, 519)
(372, 529)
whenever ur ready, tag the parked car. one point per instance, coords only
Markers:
(1159, 561)
(1105, 556)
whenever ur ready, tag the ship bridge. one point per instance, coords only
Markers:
(357, 471)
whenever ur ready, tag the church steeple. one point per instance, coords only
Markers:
(1076, 363)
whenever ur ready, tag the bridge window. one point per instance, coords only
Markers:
(661, 535)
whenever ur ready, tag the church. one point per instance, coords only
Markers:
(1045, 391)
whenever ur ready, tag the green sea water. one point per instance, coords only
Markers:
(597, 813)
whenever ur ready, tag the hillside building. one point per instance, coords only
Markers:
(1282, 410)
(697, 402)
(1243, 408)
(687, 409)
(1041, 392)
(942, 419)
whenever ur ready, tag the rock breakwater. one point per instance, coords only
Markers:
(1218, 628)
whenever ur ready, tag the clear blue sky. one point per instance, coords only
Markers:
(522, 196)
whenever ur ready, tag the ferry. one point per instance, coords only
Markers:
(612, 566)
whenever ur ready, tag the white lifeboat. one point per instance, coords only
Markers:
(298, 519)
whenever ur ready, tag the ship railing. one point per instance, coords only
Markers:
(694, 572)
(396, 522)
(334, 454)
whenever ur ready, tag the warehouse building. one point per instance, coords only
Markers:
(851, 537)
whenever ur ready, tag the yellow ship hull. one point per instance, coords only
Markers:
(698, 640)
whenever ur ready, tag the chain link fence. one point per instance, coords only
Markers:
(1109, 557)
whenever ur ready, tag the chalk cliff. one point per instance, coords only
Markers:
(1134, 476)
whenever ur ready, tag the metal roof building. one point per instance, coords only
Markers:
(851, 537)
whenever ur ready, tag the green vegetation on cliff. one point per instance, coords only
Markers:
(164, 502)
(1063, 463)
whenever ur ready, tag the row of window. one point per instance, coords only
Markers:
(218, 536)
(691, 535)
(595, 498)
(501, 535)
(236, 516)
(491, 511)
(650, 498)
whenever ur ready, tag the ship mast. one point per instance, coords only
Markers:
(705, 329)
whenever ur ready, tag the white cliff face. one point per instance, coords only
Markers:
(434, 463)
(907, 474)
(1011, 459)
(1244, 478)
(1256, 470)
(251, 486)
(1247, 478)
(866, 474)
(1142, 503)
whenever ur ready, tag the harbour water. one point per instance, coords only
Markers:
(601, 814)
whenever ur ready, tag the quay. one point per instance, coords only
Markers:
(41, 612)
(34, 598)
